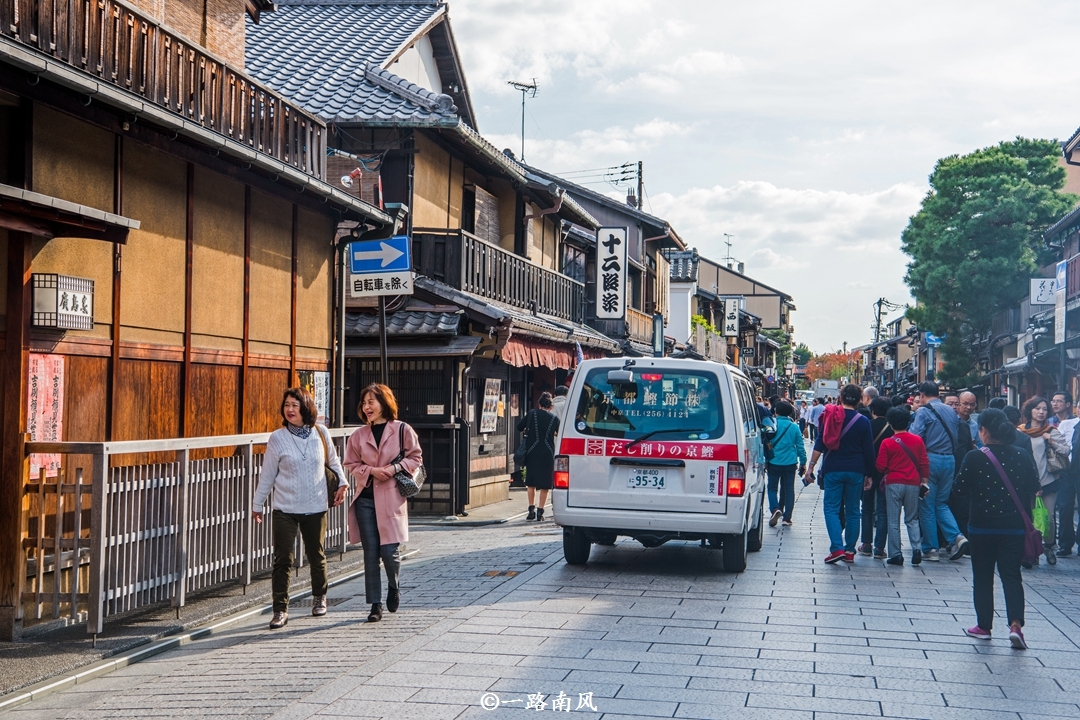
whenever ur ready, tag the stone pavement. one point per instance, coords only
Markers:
(492, 615)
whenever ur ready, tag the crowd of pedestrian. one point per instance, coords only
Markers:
(998, 486)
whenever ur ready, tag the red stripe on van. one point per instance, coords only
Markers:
(650, 449)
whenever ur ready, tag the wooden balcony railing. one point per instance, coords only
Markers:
(1073, 277)
(639, 326)
(119, 46)
(468, 263)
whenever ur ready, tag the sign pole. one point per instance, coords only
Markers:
(382, 341)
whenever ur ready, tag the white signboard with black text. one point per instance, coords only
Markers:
(611, 273)
(1059, 302)
(731, 318)
(1042, 291)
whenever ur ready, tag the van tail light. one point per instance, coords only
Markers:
(562, 472)
(736, 479)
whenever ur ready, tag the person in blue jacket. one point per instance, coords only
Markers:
(788, 453)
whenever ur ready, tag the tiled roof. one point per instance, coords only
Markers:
(684, 265)
(327, 56)
(404, 322)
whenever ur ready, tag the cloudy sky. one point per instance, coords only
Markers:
(805, 129)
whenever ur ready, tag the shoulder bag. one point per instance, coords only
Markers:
(408, 483)
(944, 426)
(521, 452)
(1055, 461)
(911, 456)
(1033, 539)
(333, 482)
(770, 445)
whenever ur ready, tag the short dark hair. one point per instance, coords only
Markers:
(1030, 405)
(384, 396)
(308, 413)
(1011, 412)
(898, 418)
(784, 409)
(997, 403)
(851, 395)
(1067, 396)
(928, 388)
(898, 400)
(999, 426)
(561, 391)
(879, 407)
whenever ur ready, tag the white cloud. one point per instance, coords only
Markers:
(834, 252)
(779, 122)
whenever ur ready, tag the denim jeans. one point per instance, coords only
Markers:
(903, 498)
(374, 551)
(934, 509)
(782, 477)
(846, 486)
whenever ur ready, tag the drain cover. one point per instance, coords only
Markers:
(308, 602)
(500, 573)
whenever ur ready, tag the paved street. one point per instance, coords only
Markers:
(649, 633)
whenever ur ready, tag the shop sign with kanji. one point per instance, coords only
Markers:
(611, 273)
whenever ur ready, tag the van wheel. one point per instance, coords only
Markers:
(735, 552)
(575, 546)
(757, 535)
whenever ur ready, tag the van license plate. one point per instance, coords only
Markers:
(645, 479)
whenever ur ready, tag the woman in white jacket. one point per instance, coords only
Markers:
(293, 467)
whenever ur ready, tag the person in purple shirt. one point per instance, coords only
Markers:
(846, 472)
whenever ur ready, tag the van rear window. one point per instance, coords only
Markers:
(675, 405)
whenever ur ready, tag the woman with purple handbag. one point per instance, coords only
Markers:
(999, 482)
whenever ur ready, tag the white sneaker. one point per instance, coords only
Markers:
(931, 556)
(959, 546)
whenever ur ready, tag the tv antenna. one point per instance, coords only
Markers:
(728, 258)
(529, 89)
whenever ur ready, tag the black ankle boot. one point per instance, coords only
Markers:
(539, 514)
(393, 598)
(376, 613)
(532, 513)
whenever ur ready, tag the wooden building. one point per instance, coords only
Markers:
(183, 204)
(494, 320)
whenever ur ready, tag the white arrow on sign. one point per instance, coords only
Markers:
(387, 254)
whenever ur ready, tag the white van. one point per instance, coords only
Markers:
(660, 449)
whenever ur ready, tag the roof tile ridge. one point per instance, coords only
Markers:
(433, 102)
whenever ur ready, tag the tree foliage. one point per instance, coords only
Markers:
(833, 366)
(977, 239)
(802, 354)
(783, 355)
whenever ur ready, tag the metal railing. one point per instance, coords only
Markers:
(116, 44)
(105, 539)
(464, 261)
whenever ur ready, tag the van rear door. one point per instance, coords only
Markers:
(657, 443)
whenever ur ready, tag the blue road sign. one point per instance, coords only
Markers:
(934, 340)
(380, 256)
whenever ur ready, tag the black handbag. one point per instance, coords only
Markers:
(333, 482)
(408, 483)
(521, 453)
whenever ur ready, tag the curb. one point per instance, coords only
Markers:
(130, 657)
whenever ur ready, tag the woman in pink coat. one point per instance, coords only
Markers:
(380, 516)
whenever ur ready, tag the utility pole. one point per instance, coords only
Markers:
(529, 89)
(640, 183)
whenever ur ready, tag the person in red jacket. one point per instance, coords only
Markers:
(905, 467)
